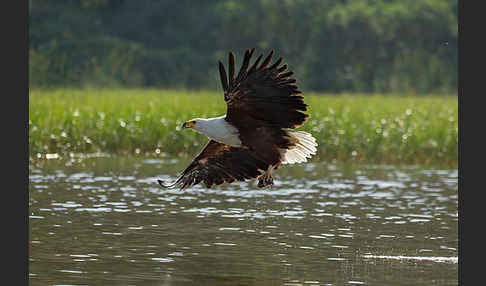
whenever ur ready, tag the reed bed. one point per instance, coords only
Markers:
(358, 127)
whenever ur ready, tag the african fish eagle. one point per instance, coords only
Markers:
(256, 134)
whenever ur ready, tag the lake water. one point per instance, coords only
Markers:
(105, 221)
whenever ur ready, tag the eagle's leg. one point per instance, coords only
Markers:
(266, 179)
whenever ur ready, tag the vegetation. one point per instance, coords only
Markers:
(367, 46)
(361, 127)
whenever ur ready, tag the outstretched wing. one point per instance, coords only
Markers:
(266, 93)
(218, 163)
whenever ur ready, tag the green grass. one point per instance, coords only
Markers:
(370, 128)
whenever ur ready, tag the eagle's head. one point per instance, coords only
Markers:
(189, 124)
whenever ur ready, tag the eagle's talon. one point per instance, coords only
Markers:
(265, 180)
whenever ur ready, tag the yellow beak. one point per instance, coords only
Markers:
(189, 124)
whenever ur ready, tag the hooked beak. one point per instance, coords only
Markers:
(189, 124)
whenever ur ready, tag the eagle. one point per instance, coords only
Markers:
(256, 135)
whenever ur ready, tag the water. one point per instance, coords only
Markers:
(105, 221)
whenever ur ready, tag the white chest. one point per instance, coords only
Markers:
(219, 130)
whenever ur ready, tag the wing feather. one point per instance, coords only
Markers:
(267, 94)
(224, 78)
(285, 75)
(276, 64)
(266, 61)
(231, 69)
(244, 67)
(282, 68)
(218, 163)
(255, 64)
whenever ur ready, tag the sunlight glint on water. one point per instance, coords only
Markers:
(106, 221)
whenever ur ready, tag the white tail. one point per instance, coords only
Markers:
(306, 147)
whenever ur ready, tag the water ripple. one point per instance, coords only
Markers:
(317, 217)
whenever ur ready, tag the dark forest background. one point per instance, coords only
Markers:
(384, 46)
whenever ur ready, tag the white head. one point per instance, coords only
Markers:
(198, 124)
(215, 128)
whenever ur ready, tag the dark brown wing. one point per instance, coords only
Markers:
(218, 163)
(266, 93)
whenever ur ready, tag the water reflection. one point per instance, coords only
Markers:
(106, 221)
